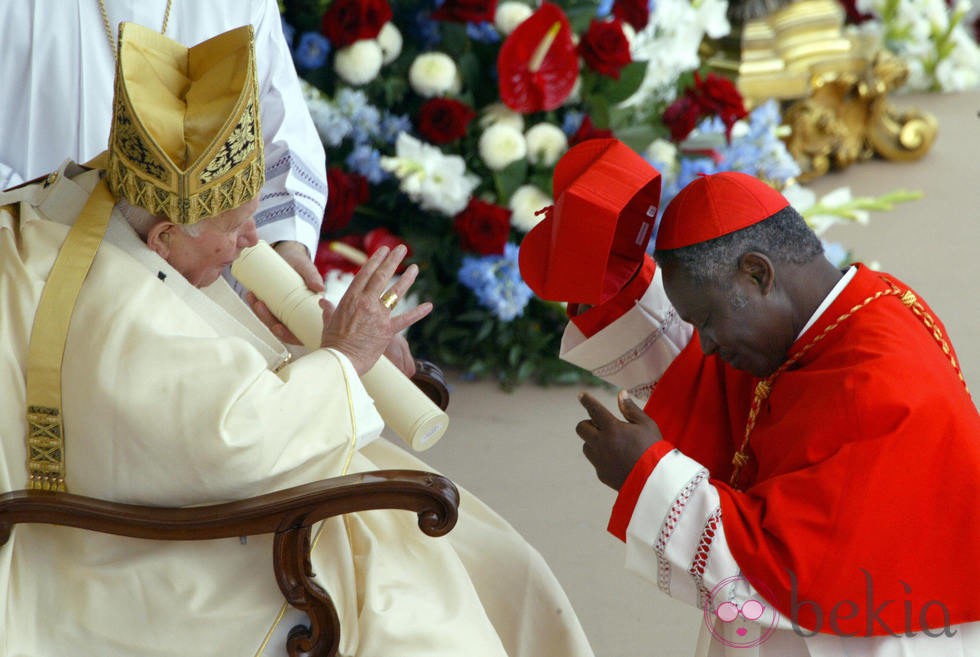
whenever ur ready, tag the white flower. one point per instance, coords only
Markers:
(546, 142)
(499, 113)
(509, 15)
(429, 177)
(390, 40)
(662, 152)
(501, 145)
(358, 63)
(524, 203)
(433, 74)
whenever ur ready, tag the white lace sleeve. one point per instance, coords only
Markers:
(635, 350)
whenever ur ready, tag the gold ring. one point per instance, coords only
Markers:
(389, 300)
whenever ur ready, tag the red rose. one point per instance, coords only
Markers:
(345, 192)
(634, 12)
(347, 21)
(681, 117)
(718, 96)
(605, 48)
(466, 11)
(483, 227)
(854, 17)
(442, 120)
(588, 131)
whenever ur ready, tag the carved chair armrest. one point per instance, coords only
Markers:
(289, 514)
(431, 381)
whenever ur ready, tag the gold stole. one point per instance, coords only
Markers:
(45, 431)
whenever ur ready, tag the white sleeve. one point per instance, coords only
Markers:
(676, 539)
(633, 351)
(295, 192)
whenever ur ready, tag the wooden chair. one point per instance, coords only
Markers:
(288, 514)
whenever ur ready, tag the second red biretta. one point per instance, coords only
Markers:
(714, 205)
(593, 239)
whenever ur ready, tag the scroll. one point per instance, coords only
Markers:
(405, 408)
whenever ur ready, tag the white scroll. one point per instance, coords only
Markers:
(405, 408)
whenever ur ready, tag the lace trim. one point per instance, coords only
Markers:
(638, 350)
(291, 163)
(700, 561)
(642, 391)
(669, 525)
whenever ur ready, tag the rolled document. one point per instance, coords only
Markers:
(404, 407)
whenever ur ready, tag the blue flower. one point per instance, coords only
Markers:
(367, 162)
(288, 32)
(496, 281)
(426, 30)
(836, 253)
(393, 125)
(483, 32)
(604, 8)
(332, 126)
(572, 122)
(312, 50)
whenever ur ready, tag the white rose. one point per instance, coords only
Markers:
(525, 202)
(390, 40)
(433, 74)
(546, 142)
(509, 15)
(501, 145)
(499, 113)
(358, 63)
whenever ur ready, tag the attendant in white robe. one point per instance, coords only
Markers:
(60, 57)
(174, 394)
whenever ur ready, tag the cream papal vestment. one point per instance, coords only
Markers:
(170, 397)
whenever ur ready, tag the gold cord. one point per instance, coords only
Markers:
(764, 387)
(108, 26)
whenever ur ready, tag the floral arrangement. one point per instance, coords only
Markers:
(940, 51)
(443, 120)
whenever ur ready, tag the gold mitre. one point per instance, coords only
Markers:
(185, 139)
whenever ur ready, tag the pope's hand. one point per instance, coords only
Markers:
(361, 326)
(613, 446)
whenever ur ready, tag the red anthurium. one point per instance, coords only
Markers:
(375, 239)
(349, 252)
(328, 258)
(537, 65)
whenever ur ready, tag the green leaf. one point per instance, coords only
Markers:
(508, 179)
(637, 137)
(630, 78)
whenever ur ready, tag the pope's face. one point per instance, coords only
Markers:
(214, 244)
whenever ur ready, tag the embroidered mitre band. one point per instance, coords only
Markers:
(185, 139)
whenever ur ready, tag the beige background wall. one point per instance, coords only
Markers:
(519, 451)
